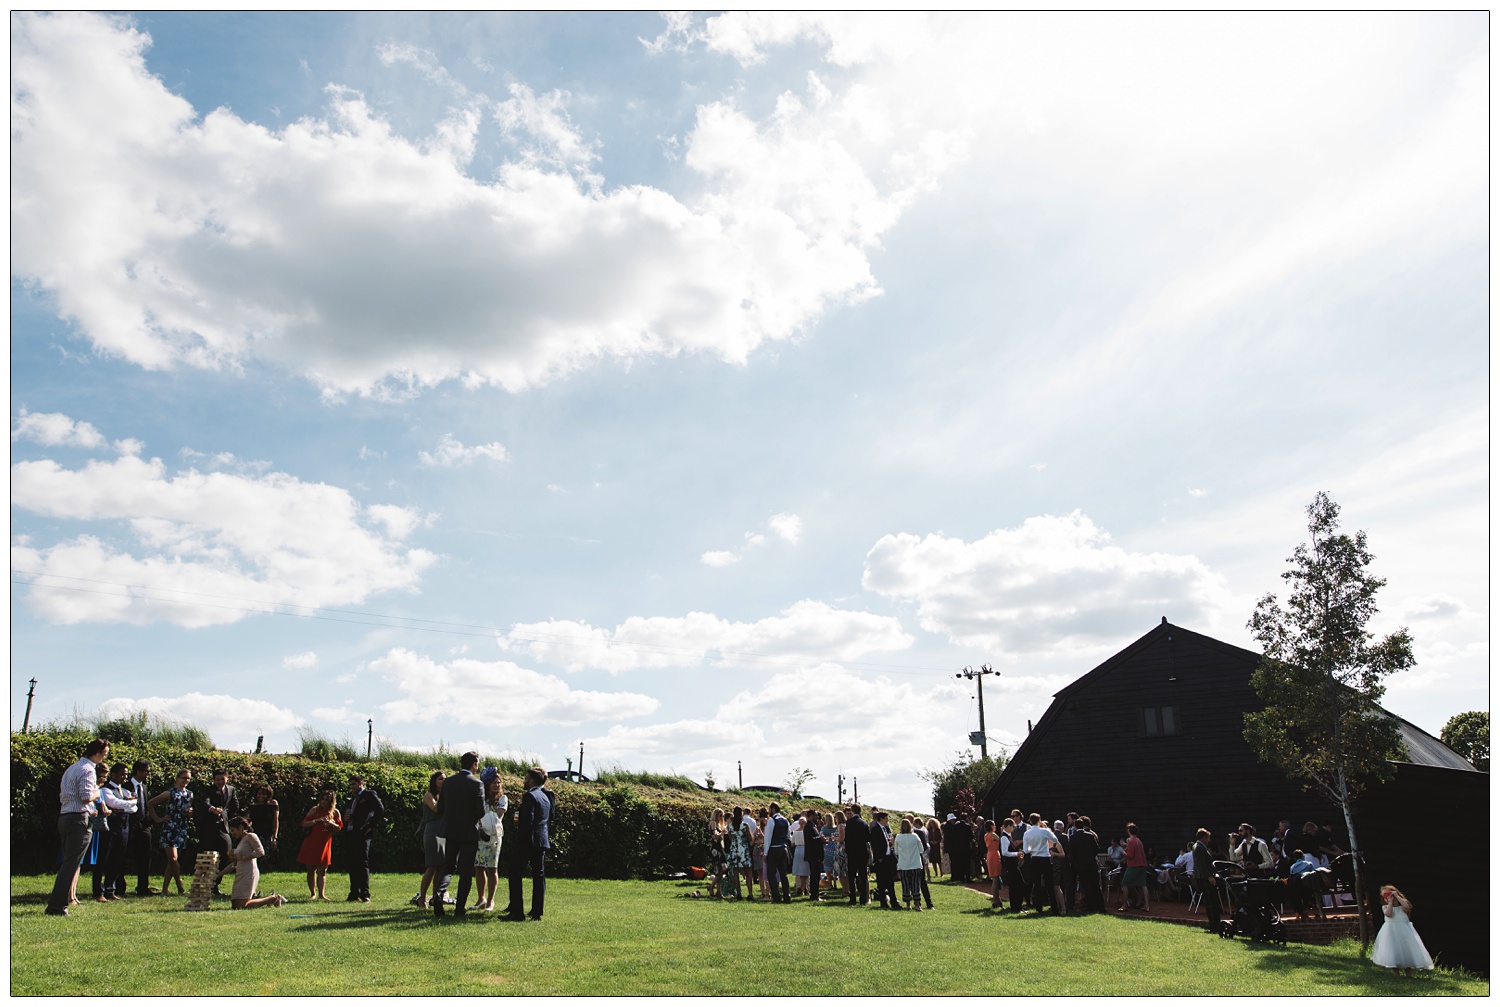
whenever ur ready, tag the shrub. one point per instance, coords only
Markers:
(615, 830)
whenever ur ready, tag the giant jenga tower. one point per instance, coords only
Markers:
(200, 896)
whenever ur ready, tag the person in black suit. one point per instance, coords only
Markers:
(884, 857)
(138, 849)
(460, 806)
(1083, 854)
(216, 806)
(529, 845)
(958, 838)
(365, 811)
(857, 855)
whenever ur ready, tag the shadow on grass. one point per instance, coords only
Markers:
(1357, 974)
(405, 919)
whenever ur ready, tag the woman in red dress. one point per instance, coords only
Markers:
(317, 849)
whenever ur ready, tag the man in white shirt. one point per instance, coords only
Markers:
(1037, 845)
(77, 794)
(109, 870)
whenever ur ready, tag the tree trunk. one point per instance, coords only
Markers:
(1359, 869)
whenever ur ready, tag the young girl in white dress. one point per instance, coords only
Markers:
(1397, 945)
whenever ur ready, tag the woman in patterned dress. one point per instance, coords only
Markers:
(487, 860)
(830, 833)
(174, 825)
(737, 860)
(716, 855)
(840, 855)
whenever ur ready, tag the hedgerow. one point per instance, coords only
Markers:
(615, 830)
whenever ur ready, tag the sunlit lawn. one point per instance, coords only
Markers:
(632, 937)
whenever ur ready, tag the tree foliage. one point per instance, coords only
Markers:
(1321, 670)
(1468, 734)
(964, 773)
(796, 780)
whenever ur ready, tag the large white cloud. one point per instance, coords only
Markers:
(231, 721)
(1056, 583)
(493, 694)
(203, 548)
(368, 262)
(808, 630)
(826, 717)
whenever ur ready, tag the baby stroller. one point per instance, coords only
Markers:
(1252, 903)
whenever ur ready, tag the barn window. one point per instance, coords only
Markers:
(1161, 721)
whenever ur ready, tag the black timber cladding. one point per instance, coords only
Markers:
(1089, 753)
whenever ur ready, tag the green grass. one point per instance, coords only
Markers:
(638, 937)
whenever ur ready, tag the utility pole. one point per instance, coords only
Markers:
(841, 789)
(260, 744)
(740, 766)
(580, 760)
(30, 693)
(369, 737)
(978, 677)
(856, 790)
(570, 765)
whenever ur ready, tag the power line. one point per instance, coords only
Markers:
(447, 628)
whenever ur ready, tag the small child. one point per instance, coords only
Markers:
(1397, 945)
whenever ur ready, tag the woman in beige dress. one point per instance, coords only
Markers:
(247, 850)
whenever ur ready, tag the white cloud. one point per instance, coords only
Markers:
(1197, 493)
(819, 716)
(452, 453)
(205, 548)
(493, 693)
(328, 246)
(300, 662)
(808, 630)
(1053, 584)
(55, 430)
(787, 527)
(231, 721)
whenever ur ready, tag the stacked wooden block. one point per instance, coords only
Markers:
(205, 869)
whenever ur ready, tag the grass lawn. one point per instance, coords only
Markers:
(637, 937)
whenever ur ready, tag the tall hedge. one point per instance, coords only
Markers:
(599, 831)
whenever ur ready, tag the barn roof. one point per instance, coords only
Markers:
(1422, 748)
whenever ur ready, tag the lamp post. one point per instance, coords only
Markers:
(369, 736)
(978, 677)
(30, 693)
(740, 766)
(580, 760)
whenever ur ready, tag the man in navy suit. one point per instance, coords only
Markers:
(884, 856)
(364, 813)
(529, 845)
(460, 806)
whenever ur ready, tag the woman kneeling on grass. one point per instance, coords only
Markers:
(247, 850)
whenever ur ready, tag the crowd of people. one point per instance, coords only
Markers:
(108, 821)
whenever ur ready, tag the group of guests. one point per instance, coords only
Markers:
(109, 821)
(463, 830)
(799, 855)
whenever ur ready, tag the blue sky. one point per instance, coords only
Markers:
(710, 389)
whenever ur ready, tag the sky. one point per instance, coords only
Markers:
(709, 390)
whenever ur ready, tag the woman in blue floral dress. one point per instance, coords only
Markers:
(174, 825)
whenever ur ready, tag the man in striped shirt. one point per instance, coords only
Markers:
(79, 791)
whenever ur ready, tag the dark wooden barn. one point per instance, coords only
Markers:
(1155, 736)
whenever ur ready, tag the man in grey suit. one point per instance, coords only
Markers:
(460, 806)
(530, 844)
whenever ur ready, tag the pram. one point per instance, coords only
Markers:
(1252, 903)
